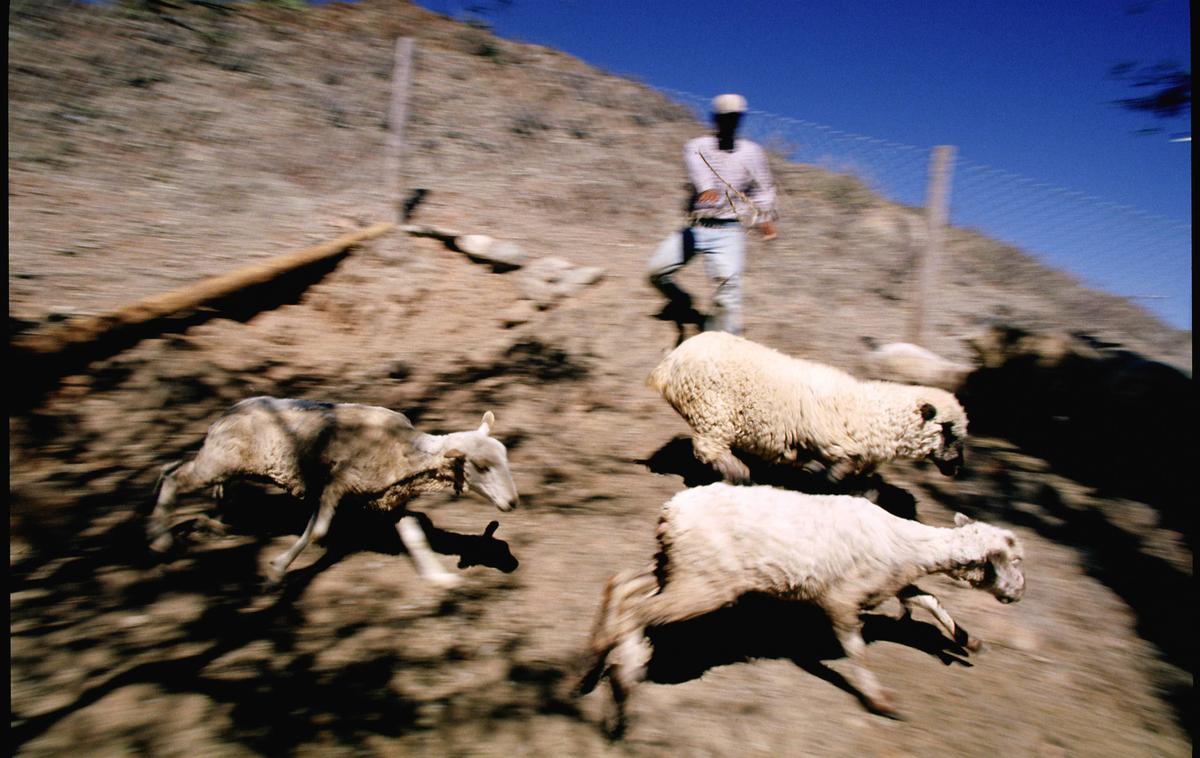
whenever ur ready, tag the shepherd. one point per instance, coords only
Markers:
(732, 189)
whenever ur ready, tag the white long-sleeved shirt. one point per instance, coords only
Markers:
(745, 168)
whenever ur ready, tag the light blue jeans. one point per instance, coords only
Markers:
(724, 251)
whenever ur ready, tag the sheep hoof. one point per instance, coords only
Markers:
(445, 581)
(976, 645)
(884, 705)
(274, 577)
(163, 543)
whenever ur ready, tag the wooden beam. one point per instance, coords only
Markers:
(76, 332)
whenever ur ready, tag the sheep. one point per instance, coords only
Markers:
(323, 452)
(907, 363)
(838, 552)
(737, 393)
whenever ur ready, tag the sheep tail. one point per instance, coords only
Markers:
(657, 379)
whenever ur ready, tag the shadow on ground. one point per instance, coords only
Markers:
(677, 458)
(762, 627)
(278, 695)
(1148, 584)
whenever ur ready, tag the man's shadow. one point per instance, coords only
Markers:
(677, 458)
(682, 314)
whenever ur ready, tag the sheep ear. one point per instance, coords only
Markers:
(489, 418)
(961, 520)
(491, 529)
(928, 411)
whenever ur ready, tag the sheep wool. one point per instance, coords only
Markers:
(738, 394)
(843, 554)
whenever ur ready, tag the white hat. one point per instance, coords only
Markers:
(728, 104)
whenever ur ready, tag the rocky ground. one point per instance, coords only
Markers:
(149, 150)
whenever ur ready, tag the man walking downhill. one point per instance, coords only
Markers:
(720, 168)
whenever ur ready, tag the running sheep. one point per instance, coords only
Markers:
(321, 453)
(738, 394)
(840, 553)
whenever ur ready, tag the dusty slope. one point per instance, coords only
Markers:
(143, 156)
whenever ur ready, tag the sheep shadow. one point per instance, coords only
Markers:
(1110, 553)
(250, 508)
(221, 580)
(759, 626)
(240, 644)
(677, 458)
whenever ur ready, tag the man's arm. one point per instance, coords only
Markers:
(762, 194)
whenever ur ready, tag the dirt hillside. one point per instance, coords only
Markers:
(149, 149)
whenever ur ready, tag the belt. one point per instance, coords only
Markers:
(717, 222)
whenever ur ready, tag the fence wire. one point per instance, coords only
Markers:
(1117, 248)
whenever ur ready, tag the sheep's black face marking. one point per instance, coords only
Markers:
(950, 457)
(948, 433)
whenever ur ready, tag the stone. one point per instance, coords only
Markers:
(547, 280)
(518, 313)
(483, 248)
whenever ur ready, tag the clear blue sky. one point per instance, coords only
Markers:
(1021, 86)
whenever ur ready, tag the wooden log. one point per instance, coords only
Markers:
(76, 332)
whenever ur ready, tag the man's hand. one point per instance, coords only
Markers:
(768, 231)
(708, 197)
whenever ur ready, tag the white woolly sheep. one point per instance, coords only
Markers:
(322, 452)
(907, 363)
(738, 394)
(840, 553)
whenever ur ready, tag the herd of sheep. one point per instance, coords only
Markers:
(715, 543)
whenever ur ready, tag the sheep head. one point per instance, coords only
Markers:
(482, 465)
(999, 571)
(945, 427)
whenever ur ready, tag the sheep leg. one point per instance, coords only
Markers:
(633, 611)
(842, 469)
(849, 634)
(617, 592)
(428, 567)
(317, 528)
(679, 600)
(717, 454)
(605, 632)
(913, 597)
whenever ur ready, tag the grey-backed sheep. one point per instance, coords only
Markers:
(323, 452)
(738, 394)
(841, 553)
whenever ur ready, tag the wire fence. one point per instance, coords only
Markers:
(1113, 247)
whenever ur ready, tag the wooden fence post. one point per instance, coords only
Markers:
(937, 202)
(398, 115)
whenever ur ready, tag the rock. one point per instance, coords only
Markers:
(481, 247)
(518, 313)
(474, 245)
(506, 253)
(549, 279)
